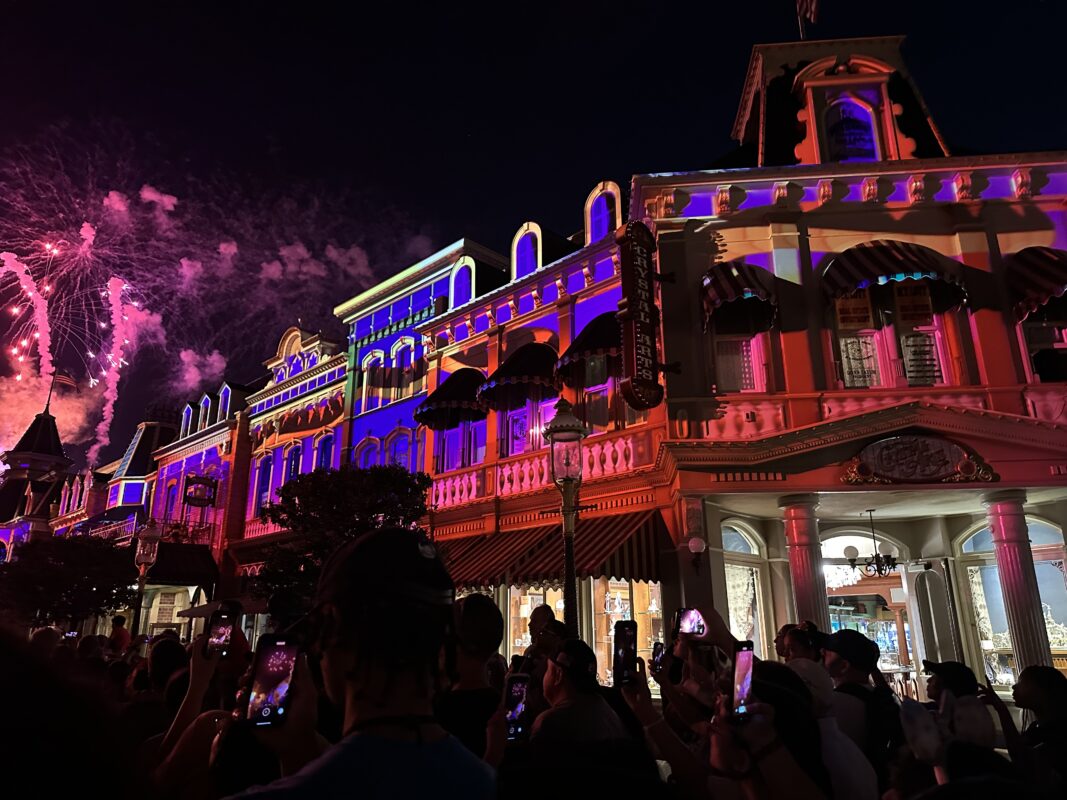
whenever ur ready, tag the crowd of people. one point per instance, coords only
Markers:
(392, 687)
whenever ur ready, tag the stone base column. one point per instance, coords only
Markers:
(805, 558)
(1018, 580)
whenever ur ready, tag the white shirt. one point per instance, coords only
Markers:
(851, 774)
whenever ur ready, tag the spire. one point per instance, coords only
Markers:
(41, 437)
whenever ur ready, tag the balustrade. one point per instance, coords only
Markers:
(456, 488)
(1047, 403)
(859, 401)
(260, 527)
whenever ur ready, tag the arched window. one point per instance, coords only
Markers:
(601, 216)
(3, 553)
(76, 494)
(851, 133)
(224, 403)
(367, 455)
(373, 380)
(526, 255)
(403, 368)
(171, 504)
(312, 360)
(462, 286)
(744, 584)
(292, 462)
(263, 478)
(296, 365)
(187, 421)
(64, 499)
(988, 611)
(400, 450)
(324, 454)
(205, 412)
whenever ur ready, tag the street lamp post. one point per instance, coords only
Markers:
(145, 556)
(565, 434)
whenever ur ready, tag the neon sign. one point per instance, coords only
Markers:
(639, 316)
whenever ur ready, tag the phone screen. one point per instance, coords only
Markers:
(657, 657)
(220, 629)
(624, 668)
(271, 678)
(515, 705)
(690, 620)
(743, 659)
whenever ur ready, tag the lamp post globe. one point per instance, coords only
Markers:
(565, 433)
(144, 557)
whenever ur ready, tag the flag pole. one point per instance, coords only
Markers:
(51, 387)
(800, 22)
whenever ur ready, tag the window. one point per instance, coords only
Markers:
(400, 450)
(736, 367)
(224, 403)
(859, 361)
(373, 380)
(171, 502)
(526, 255)
(324, 456)
(263, 478)
(205, 412)
(601, 216)
(515, 432)
(982, 578)
(462, 286)
(187, 421)
(367, 455)
(744, 589)
(1044, 334)
(460, 447)
(403, 369)
(292, 462)
(597, 396)
(851, 134)
(615, 600)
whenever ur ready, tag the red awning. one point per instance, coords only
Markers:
(1034, 276)
(885, 260)
(623, 546)
(486, 560)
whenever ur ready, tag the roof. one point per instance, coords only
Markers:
(138, 460)
(41, 437)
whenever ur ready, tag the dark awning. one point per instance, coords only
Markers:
(735, 280)
(453, 402)
(477, 561)
(622, 546)
(602, 336)
(184, 565)
(1034, 276)
(526, 373)
(886, 260)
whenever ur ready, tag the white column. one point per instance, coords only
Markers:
(805, 558)
(1018, 580)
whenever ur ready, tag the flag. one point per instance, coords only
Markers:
(60, 378)
(808, 9)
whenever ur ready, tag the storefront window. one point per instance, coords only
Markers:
(987, 599)
(522, 602)
(744, 593)
(614, 601)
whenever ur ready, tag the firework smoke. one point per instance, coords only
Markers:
(41, 331)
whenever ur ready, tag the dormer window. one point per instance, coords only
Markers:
(526, 251)
(462, 285)
(224, 403)
(187, 421)
(850, 131)
(205, 412)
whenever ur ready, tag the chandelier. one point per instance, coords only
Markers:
(881, 562)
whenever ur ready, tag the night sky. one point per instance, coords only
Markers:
(473, 120)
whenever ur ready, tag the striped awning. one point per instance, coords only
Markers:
(735, 280)
(623, 546)
(886, 260)
(476, 561)
(453, 402)
(602, 336)
(1034, 276)
(526, 373)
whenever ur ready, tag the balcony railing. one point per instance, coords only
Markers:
(257, 526)
(457, 488)
(847, 402)
(177, 532)
(1047, 403)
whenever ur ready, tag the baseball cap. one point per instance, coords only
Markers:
(854, 647)
(956, 677)
(578, 661)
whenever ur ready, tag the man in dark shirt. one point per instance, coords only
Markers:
(465, 710)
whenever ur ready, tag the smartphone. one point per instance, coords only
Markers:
(624, 666)
(518, 661)
(219, 632)
(515, 705)
(656, 664)
(272, 675)
(743, 658)
(689, 620)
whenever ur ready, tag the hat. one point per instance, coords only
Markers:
(391, 567)
(854, 647)
(956, 677)
(578, 662)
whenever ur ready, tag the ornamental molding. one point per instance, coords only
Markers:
(911, 458)
(221, 441)
(963, 422)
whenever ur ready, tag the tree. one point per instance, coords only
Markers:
(66, 579)
(325, 509)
